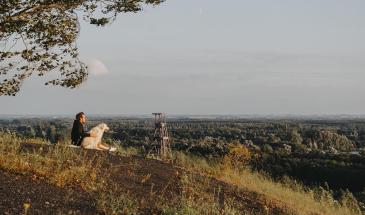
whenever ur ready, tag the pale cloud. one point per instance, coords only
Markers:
(97, 67)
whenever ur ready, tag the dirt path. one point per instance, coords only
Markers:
(43, 198)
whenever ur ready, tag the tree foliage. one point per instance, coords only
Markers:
(39, 37)
(237, 157)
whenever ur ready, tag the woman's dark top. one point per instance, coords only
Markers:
(78, 133)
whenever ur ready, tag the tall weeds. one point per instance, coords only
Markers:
(290, 195)
(64, 166)
(59, 165)
(194, 200)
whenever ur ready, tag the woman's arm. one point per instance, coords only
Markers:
(81, 131)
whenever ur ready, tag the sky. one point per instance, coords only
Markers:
(216, 57)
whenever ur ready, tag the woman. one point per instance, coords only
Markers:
(78, 132)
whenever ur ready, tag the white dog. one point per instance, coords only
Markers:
(94, 141)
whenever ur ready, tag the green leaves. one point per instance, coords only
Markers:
(99, 22)
(40, 36)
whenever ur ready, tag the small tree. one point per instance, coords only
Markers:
(238, 156)
(295, 137)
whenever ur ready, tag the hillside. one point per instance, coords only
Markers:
(149, 182)
(38, 178)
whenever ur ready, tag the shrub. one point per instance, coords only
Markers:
(238, 156)
(267, 148)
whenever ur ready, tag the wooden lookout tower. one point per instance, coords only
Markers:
(161, 139)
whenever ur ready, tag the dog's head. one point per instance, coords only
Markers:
(104, 127)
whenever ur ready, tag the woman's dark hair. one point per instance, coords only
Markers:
(79, 115)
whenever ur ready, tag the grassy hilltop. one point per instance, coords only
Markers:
(39, 178)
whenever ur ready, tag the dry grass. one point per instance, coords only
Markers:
(59, 165)
(125, 151)
(64, 166)
(290, 195)
(195, 200)
(124, 203)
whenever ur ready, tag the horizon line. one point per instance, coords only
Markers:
(174, 115)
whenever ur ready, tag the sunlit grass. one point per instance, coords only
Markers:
(59, 165)
(65, 166)
(292, 196)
